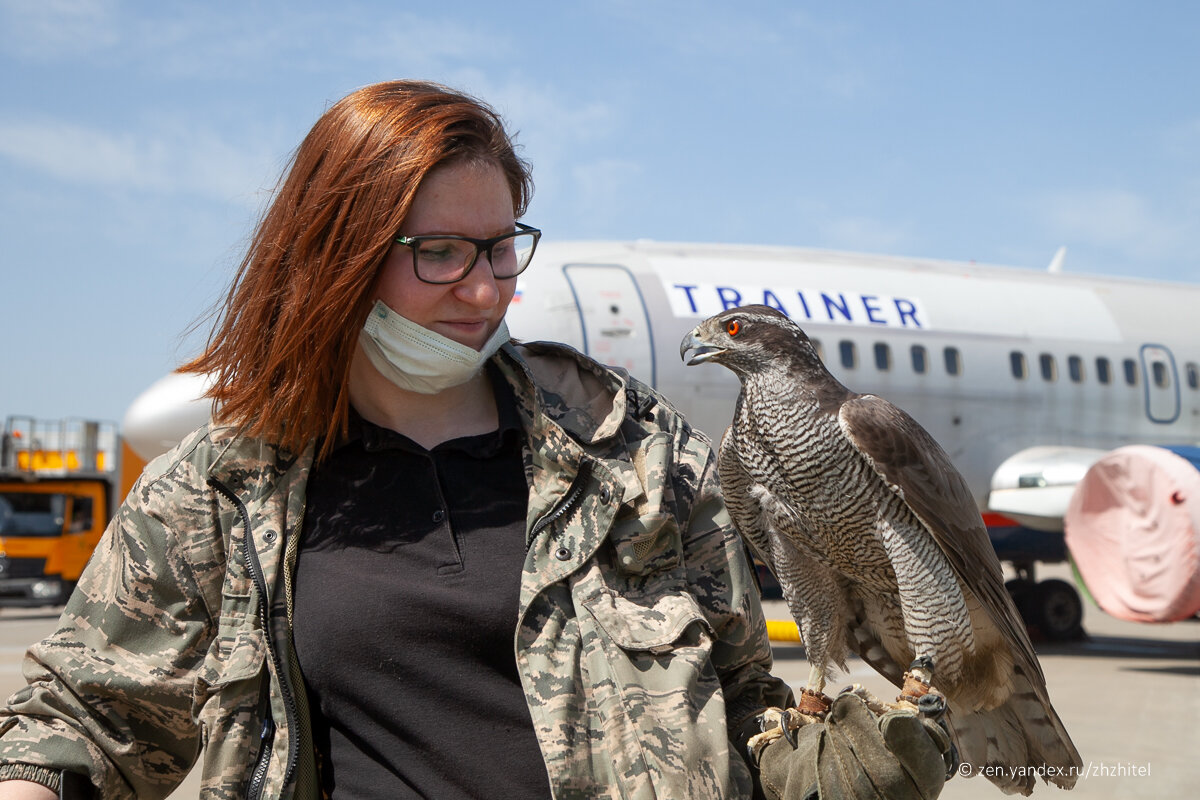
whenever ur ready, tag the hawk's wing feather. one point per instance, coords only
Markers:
(914, 465)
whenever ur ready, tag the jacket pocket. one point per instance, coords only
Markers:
(236, 658)
(654, 692)
(651, 623)
(240, 656)
(228, 690)
(227, 702)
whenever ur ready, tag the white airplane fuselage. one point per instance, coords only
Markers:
(995, 362)
(1027, 379)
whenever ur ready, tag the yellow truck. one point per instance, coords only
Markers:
(58, 483)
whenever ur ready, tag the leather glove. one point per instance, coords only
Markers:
(900, 755)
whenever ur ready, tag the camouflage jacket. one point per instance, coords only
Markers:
(640, 640)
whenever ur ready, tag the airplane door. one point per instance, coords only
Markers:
(616, 327)
(1161, 382)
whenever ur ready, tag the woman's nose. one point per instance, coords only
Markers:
(479, 286)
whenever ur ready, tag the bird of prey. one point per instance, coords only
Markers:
(879, 547)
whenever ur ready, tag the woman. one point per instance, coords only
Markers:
(321, 589)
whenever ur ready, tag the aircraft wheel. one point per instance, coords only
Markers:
(1019, 589)
(1053, 608)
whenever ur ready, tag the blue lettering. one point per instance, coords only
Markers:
(769, 299)
(831, 304)
(908, 311)
(872, 310)
(804, 305)
(688, 291)
(730, 297)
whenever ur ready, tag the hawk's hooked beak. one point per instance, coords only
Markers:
(704, 351)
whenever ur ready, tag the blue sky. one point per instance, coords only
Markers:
(139, 141)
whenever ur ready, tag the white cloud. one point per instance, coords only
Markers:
(1118, 219)
(864, 234)
(167, 159)
(45, 30)
(600, 191)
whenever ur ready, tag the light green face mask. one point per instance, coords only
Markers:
(416, 358)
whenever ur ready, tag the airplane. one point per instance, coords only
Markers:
(1068, 402)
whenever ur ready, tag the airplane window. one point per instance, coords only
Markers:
(918, 359)
(883, 357)
(1131, 372)
(816, 343)
(1049, 368)
(953, 360)
(1162, 378)
(1193, 376)
(1103, 370)
(849, 353)
(1020, 369)
(1075, 369)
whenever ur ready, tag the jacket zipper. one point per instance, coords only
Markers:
(565, 507)
(267, 735)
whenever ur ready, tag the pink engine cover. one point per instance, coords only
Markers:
(1133, 529)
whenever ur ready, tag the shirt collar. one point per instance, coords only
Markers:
(376, 437)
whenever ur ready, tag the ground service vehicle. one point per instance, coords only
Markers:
(57, 494)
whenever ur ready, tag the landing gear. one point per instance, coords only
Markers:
(1052, 609)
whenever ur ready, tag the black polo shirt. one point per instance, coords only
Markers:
(406, 596)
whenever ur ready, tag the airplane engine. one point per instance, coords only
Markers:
(1133, 529)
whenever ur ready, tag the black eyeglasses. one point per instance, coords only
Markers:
(448, 259)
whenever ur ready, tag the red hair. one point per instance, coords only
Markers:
(281, 346)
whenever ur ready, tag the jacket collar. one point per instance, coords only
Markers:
(585, 399)
(251, 466)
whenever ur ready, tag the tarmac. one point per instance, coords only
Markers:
(1129, 695)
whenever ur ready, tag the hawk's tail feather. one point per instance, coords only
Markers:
(1018, 742)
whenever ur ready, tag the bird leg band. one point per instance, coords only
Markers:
(914, 689)
(815, 704)
(917, 680)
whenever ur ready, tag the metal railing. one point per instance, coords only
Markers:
(36, 447)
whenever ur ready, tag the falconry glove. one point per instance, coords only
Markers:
(901, 755)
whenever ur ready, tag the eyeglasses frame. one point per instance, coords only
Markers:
(481, 246)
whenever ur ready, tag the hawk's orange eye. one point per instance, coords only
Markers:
(733, 327)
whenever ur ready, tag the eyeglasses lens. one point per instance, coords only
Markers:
(448, 260)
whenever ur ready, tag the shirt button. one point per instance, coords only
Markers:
(605, 494)
(562, 554)
(438, 516)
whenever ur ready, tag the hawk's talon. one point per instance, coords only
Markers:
(923, 662)
(776, 723)
(932, 706)
(789, 735)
